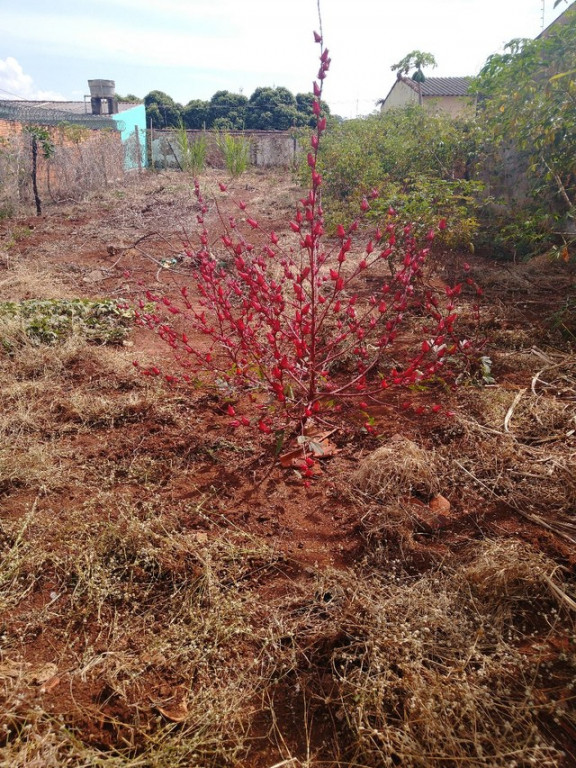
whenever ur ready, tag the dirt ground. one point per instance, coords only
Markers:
(114, 482)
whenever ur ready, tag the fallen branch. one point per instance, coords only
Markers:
(511, 409)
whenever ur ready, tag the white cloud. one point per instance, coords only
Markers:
(16, 84)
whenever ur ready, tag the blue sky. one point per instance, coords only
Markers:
(192, 48)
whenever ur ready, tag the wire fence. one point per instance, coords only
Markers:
(24, 113)
(81, 162)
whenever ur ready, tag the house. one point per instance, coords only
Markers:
(88, 145)
(436, 94)
(98, 111)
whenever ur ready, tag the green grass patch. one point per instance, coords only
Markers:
(50, 321)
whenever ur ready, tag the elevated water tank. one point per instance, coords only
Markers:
(103, 97)
(102, 89)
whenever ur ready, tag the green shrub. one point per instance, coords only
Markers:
(49, 321)
(192, 153)
(420, 164)
(236, 152)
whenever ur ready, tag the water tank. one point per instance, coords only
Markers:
(102, 89)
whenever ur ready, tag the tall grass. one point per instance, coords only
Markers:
(192, 153)
(236, 152)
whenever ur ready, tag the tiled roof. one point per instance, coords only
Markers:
(441, 86)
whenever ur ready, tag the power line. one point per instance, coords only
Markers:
(16, 96)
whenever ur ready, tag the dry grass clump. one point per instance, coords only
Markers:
(39, 467)
(161, 649)
(520, 454)
(31, 361)
(513, 581)
(541, 411)
(398, 468)
(418, 673)
(28, 277)
(20, 560)
(40, 403)
(538, 418)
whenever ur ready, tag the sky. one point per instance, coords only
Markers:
(192, 48)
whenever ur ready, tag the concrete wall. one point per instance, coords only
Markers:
(267, 148)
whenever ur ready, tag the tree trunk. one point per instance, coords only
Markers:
(35, 176)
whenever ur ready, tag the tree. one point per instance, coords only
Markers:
(527, 101)
(130, 98)
(305, 107)
(40, 139)
(196, 114)
(162, 111)
(416, 60)
(272, 109)
(227, 110)
(267, 109)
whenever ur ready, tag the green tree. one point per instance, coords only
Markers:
(227, 110)
(40, 140)
(415, 60)
(196, 114)
(304, 105)
(162, 111)
(527, 110)
(272, 109)
(130, 98)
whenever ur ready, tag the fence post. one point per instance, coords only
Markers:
(138, 149)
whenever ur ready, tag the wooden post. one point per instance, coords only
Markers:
(35, 175)
(138, 148)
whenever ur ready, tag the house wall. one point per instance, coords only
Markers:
(132, 124)
(402, 95)
(455, 106)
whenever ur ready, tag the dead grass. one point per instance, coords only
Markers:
(24, 279)
(421, 672)
(159, 630)
(397, 469)
(141, 626)
(517, 447)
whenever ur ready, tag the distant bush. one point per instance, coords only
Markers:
(419, 163)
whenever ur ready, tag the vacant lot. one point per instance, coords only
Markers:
(172, 595)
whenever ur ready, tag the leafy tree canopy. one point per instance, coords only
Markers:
(162, 111)
(416, 60)
(527, 99)
(196, 114)
(130, 98)
(266, 109)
